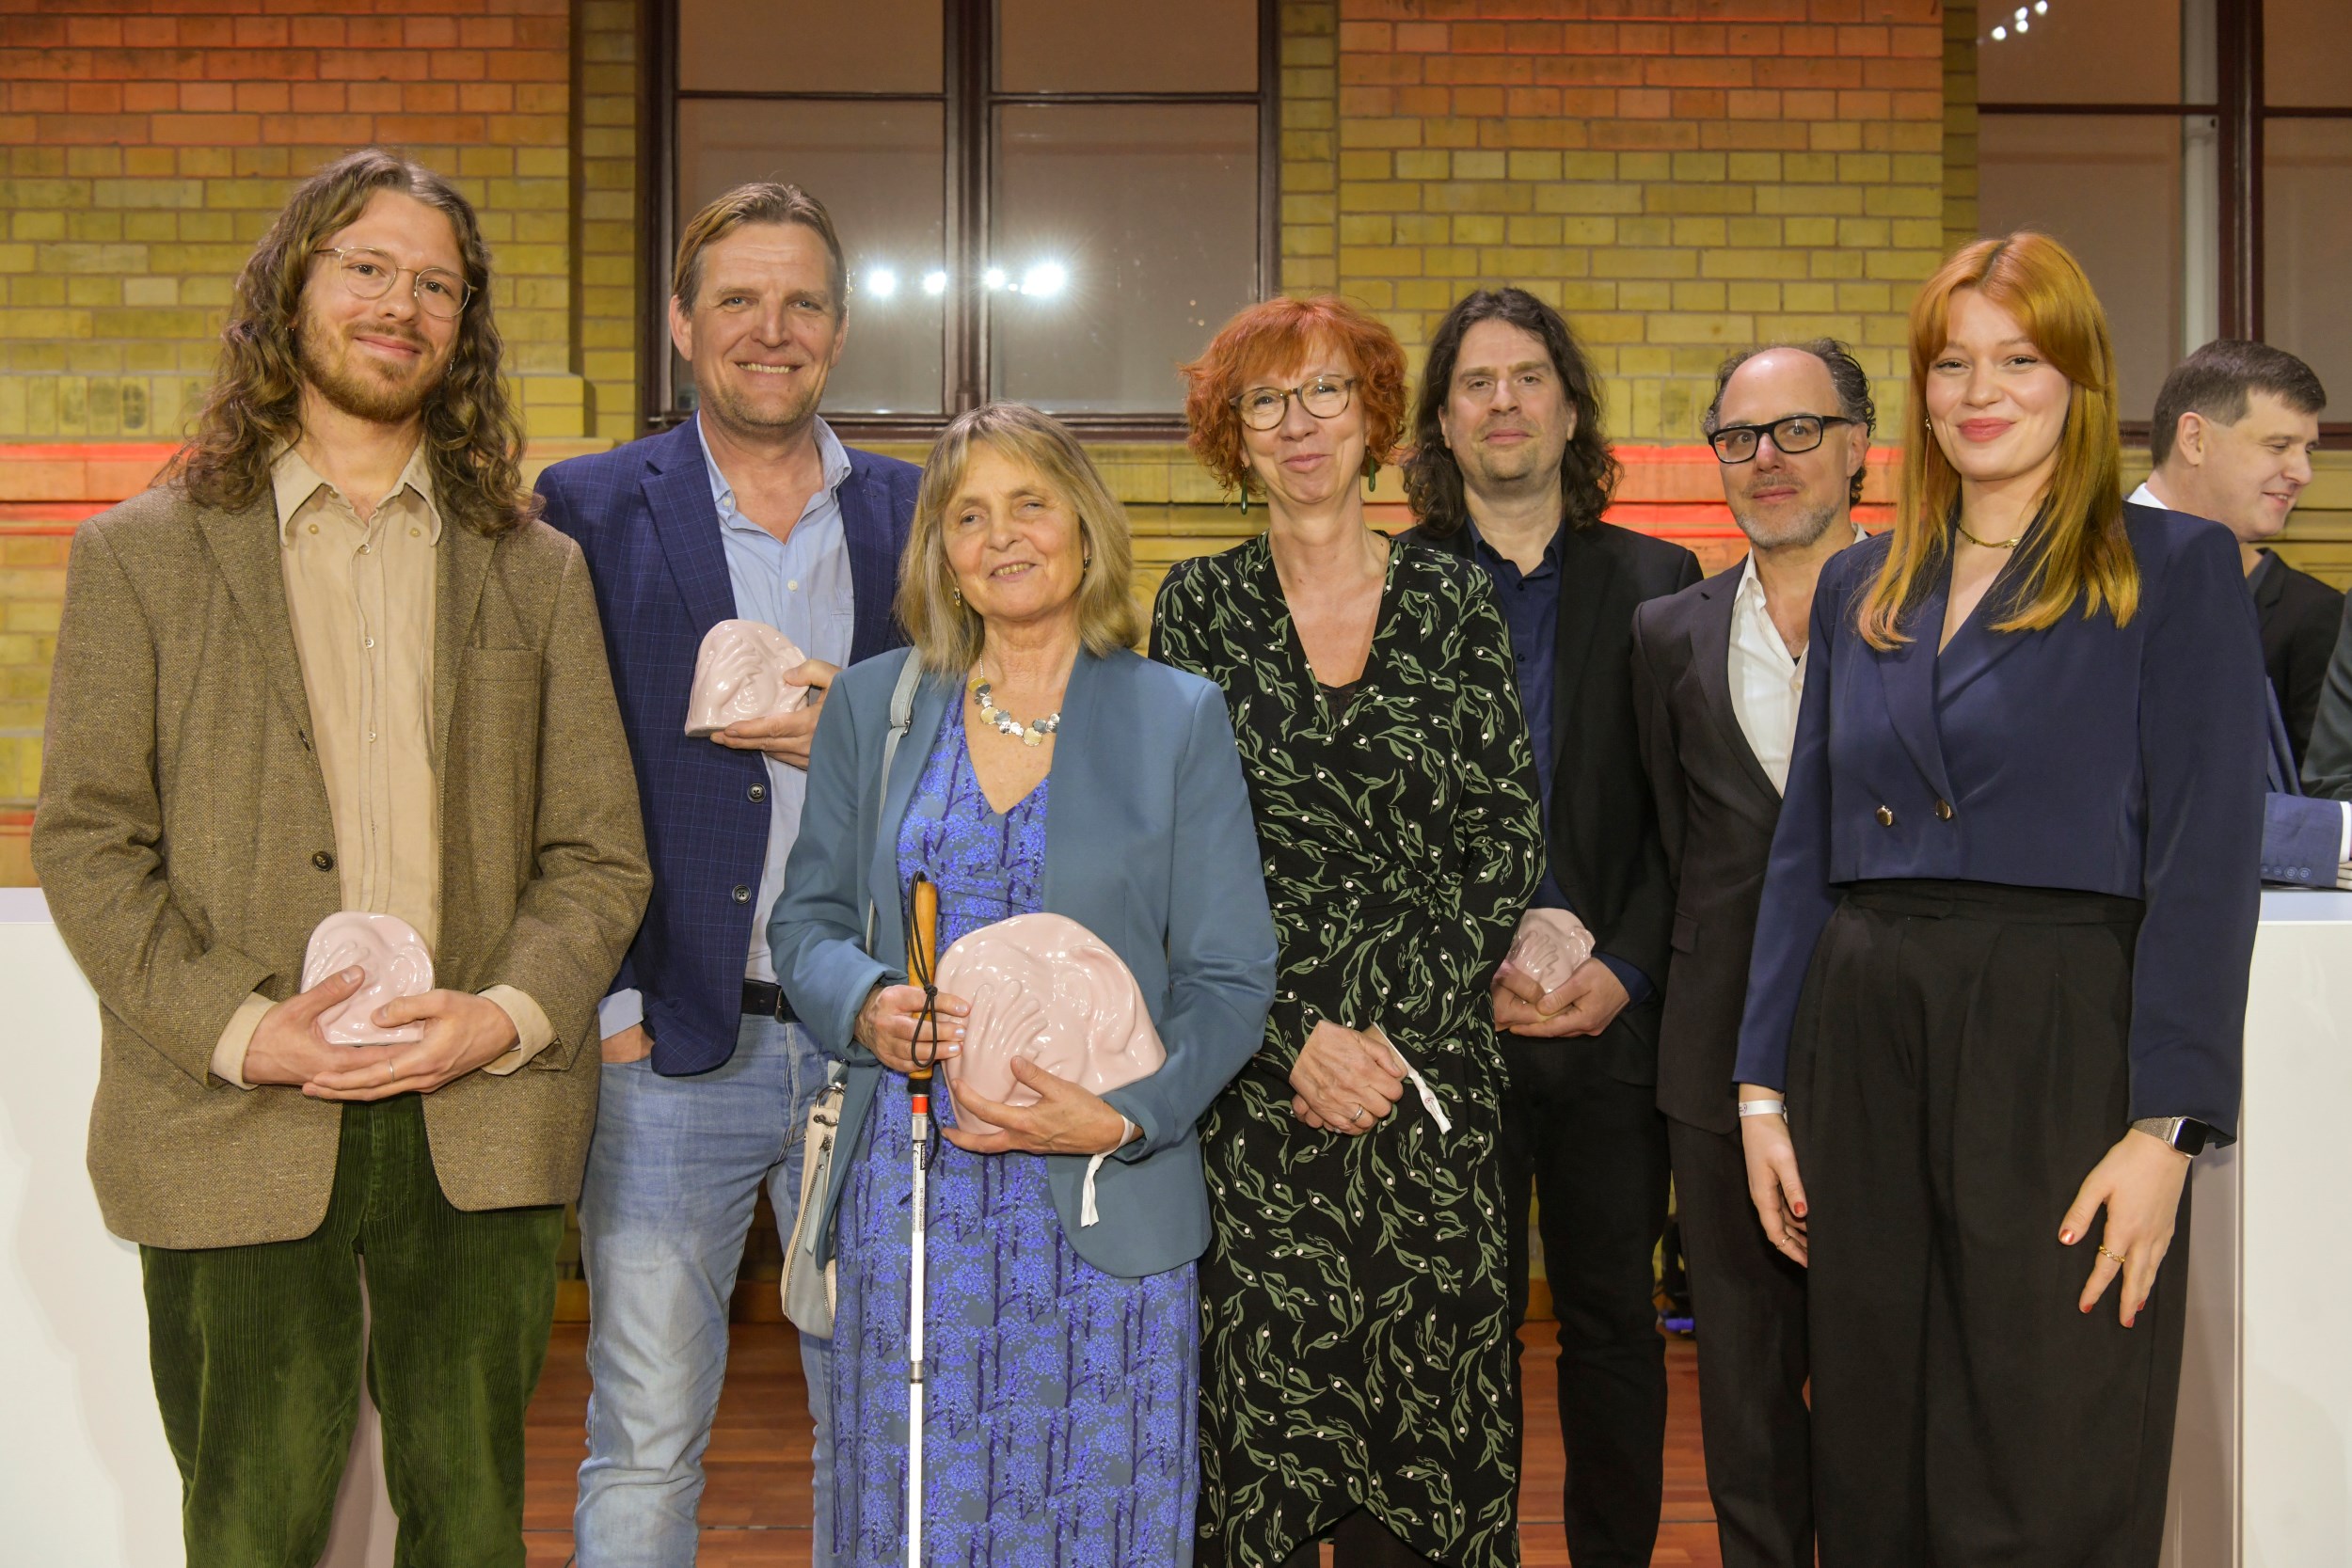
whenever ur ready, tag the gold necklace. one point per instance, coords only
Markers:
(1989, 544)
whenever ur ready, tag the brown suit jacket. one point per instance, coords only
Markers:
(185, 846)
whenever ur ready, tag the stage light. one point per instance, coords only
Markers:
(993, 277)
(1999, 34)
(1044, 279)
(882, 282)
(934, 283)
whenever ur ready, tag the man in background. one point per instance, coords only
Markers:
(1717, 673)
(2235, 428)
(1511, 471)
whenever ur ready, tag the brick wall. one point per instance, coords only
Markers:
(1681, 177)
(150, 142)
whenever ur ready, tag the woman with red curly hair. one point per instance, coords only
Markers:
(1357, 1362)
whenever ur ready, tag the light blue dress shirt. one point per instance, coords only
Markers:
(800, 585)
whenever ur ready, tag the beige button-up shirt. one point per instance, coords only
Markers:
(362, 596)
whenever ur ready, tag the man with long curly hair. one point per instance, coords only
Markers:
(330, 662)
(1510, 468)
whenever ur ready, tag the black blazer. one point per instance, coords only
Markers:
(2299, 615)
(1602, 838)
(1716, 811)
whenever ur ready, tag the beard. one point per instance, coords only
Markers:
(1798, 529)
(363, 390)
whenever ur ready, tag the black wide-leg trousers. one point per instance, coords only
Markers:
(1958, 1067)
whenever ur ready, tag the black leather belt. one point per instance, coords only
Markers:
(766, 998)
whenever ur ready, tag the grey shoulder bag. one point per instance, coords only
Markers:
(808, 1287)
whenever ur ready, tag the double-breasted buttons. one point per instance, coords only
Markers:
(758, 793)
(1886, 816)
(742, 893)
(323, 860)
(1943, 810)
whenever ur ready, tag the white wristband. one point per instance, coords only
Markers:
(1764, 1108)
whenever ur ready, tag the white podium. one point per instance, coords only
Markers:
(85, 1480)
(2262, 1455)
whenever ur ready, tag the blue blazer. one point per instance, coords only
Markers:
(2118, 760)
(1148, 844)
(2302, 839)
(643, 516)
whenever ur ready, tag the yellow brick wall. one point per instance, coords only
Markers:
(1678, 186)
(148, 147)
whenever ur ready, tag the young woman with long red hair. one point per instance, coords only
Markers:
(2001, 975)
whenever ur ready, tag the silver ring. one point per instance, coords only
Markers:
(1362, 1115)
(388, 1074)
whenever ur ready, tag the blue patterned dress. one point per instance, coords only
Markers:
(1060, 1428)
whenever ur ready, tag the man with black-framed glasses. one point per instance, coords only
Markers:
(1717, 670)
(1511, 471)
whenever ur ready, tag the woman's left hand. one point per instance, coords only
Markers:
(2139, 1183)
(1066, 1119)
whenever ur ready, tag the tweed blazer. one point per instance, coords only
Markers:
(184, 843)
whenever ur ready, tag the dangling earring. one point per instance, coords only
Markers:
(1371, 475)
(1242, 499)
(956, 594)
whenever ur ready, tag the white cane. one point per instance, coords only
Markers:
(922, 969)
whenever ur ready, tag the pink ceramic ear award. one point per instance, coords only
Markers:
(1042, 986)
(739, 674)
(397, 965)
(1550, 944)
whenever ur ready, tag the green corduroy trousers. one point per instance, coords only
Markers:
(258, 1352)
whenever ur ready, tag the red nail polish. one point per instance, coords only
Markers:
(2066, 1238)
(1799, 1211)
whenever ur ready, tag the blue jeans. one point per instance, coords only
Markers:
(674, 1173)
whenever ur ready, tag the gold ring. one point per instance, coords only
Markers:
(2118, 1258)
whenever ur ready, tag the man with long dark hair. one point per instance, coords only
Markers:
(331, 663)
(1511, 469)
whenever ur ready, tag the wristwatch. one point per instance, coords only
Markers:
(2185, 1135)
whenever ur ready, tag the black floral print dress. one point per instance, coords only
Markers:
(1356, 1345)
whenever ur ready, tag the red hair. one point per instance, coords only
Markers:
(2079, 553)
(1279, 332)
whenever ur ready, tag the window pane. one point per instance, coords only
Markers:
(2307, 232)
(2109, 187)
(1150, 214)
(2304, 44)
(1126, 46)
(760, 46)
(880, 171)
(2136, 45)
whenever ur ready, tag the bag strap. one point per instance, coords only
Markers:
(901, 720)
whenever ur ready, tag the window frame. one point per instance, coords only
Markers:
(2240, 111)
(969, 100)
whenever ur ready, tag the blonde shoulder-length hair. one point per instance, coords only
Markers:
(945, 630)
(2079, 553)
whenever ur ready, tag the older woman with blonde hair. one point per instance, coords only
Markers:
(1045, 767)
(2000, 981)
(1358, 1353)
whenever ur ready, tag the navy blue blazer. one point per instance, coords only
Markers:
(2117, 760)
(1148, 844)
(2302, 839)
(643, 516)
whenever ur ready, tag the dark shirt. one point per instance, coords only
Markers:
(1531, 610)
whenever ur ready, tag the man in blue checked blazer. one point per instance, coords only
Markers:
(752, 511)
